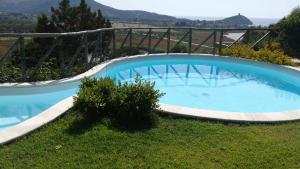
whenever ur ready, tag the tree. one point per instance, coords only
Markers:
(288, 32)
(66, 18)
(180, 48)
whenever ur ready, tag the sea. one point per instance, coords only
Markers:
(256, 21)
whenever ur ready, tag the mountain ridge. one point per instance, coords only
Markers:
(37, 7)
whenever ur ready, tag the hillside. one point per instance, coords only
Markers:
(237, 19)
(16, 22)
(36, 7)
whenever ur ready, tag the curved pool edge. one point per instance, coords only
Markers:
(12, 133)
(231, 116)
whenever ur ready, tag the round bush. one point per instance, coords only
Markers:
(129, 105)
(180, 48)
(96, 98)
(138, 103)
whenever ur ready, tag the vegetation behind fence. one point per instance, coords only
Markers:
(60, 55)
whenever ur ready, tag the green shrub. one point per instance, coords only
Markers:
(263, 55)
(129, 105)
(180, 48)
(96, 98)
(10, 73)
(288, 31)
(46, 72)
(138, 101)
(274, 46)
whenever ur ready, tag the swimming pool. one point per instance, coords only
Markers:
(215, 84)
(218, 86)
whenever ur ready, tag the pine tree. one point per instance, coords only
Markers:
(66, 18)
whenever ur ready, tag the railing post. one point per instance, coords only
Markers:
(100, 37)
(61, 58)
(270, 39)
(168, 40)
(130, 38)
(114, 42)
(95, 52)
(190, 40)
(23, 58)
(86, 51)
(221, 42)
(149, 41)
(214, 42)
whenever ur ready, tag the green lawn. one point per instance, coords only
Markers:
(175, 143)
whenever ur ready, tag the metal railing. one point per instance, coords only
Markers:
(82, 50)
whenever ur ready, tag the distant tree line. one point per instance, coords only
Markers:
(16, 23)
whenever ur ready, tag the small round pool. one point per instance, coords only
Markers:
(215, 83)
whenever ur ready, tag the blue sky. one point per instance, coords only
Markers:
(216, 8)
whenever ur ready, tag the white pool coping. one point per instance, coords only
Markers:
(12, 133)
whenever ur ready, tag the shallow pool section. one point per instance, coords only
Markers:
(21, 104)
(215, 83)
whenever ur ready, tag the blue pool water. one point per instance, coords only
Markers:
(197, 82)
(216, 84)
(16, 108)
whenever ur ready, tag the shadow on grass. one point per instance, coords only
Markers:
(131, 128)
(133, 124)
(79, 127)
(82, 125)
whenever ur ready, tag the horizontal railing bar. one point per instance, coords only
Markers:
(47, 35)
